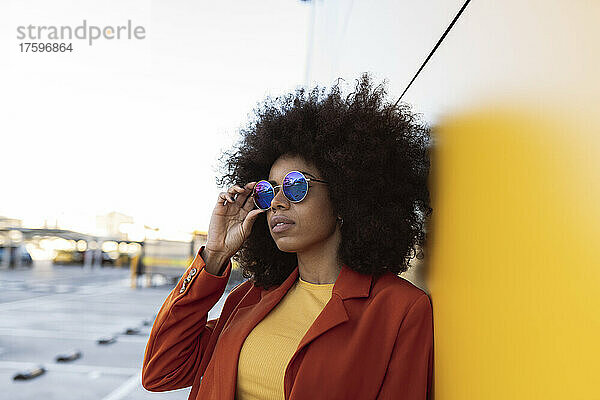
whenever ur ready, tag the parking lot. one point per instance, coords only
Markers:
(47, 311)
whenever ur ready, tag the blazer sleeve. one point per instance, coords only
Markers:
(409, 375)
(180, 333)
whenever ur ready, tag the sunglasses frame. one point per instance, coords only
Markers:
(275, 188)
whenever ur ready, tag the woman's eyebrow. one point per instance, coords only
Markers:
(308, 173)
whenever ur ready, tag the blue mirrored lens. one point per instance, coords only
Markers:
(295, 186)
(263, 194)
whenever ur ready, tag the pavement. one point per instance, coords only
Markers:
(50, 310)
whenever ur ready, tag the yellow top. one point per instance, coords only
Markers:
(269, 347)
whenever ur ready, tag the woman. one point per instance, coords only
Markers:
(326, 204)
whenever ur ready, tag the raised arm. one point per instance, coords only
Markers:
(180, 337)
(180, 334)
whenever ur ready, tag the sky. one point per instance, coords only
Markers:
(137, 126)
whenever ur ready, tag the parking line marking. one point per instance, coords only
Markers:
(60, 297)
(48, 334)
(84, 369)
(123, 390)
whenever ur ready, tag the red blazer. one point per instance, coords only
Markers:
(373, 339)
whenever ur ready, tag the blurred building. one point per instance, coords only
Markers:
(111, 224)
(6, 222)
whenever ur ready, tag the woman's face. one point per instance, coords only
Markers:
(314, 221)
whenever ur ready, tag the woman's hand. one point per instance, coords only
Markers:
(230, 225)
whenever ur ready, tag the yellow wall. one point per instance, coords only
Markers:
(514, 272)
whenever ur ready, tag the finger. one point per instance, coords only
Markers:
(238, 193)
(225, 199)
(249, 204)
(242, 197)
(231, 196)
(221, 199)
(235, 189)
(250, 218)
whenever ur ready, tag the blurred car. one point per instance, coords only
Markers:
(68, 257)
(16, 252)
(75, 257)
(109, 258)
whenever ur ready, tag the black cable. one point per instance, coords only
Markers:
(434, 49)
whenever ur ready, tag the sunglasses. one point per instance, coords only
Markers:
(295, 189)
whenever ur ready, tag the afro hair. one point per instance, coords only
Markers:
(375, 156)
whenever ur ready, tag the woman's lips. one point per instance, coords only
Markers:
(281, 227)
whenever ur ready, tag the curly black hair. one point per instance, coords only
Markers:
(375, 156)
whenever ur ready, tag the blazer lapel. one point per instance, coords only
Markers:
(349, 284)
(258, 302)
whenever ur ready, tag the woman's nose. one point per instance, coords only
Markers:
(279, 201)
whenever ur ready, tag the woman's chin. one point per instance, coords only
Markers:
(285, 244)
